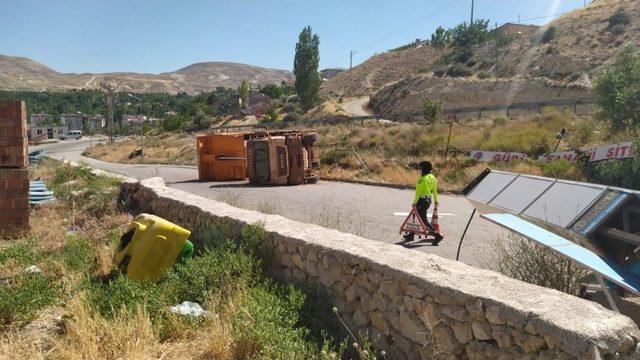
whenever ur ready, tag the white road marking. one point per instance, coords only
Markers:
(428, 215)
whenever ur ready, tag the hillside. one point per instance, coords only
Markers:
(380, 70)
(19, 73)
(518, 68)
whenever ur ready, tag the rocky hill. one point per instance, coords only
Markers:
(560, 60)
(19, 73)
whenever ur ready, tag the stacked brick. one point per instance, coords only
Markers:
(14, 176)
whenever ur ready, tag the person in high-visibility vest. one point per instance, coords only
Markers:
(426, 193)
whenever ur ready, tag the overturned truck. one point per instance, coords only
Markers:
(266, 158)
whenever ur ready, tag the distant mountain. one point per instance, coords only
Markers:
(19, 73)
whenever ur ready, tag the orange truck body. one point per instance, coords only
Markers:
(266, 158)
(221, 157)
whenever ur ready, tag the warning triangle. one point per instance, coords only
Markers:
(414, 224)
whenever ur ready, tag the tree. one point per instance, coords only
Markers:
(243, 92)
(305, 68)
(110, 95)
(470, 34)
(440, 38)
(271, 115)
(273, 91)
(431, 110)
(618, 91)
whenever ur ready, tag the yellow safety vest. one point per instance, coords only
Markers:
(426, 186)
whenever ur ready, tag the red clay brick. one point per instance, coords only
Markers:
(21, 203)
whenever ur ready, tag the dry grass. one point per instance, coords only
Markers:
(88, 335)
(168, 148)
(326, 110)
(79, 308)
(391, 152)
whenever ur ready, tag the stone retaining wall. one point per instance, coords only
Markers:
(413, 304)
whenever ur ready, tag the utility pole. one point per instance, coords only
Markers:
(471, 23)
(141, 126)
(351, 52)
(110, 97)
(518, 18)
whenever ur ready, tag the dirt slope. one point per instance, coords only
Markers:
(408, 95)
(378, 71)
(19, 73)
(522, 69)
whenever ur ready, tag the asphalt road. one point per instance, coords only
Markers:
(370, 211)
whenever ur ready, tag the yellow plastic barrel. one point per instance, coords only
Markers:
(150, 246)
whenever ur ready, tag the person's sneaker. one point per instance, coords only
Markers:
(408, 237)
(437, 239)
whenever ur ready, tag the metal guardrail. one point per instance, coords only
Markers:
(402, 117)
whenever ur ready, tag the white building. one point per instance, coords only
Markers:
(96, 123)
(72, 121)
(39, 119)
(39, 133)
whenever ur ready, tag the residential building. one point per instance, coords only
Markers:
(329, 73)
(72, 121)
(39, 133)
(128, 120)
(513, 29)
(39, 119)
(95, 123)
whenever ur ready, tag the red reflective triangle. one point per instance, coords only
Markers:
(414, 224)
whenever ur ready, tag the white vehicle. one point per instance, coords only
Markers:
(73, 134)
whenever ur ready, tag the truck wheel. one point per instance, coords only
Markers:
(313, 179)
(310, 138)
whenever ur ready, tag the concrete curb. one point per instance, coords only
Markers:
(384, 184)
(94, 171)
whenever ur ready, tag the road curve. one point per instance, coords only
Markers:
(370, 211)
(357, 107)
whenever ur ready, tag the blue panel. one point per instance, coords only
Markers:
(573, 251)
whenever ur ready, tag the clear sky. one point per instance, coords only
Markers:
(160, 35)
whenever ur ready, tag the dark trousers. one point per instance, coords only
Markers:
(422, 206)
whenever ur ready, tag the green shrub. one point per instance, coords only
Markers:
(622, 173)
(273, 91)
(25, 295)
(444, 59)
(439, 71)
(292, 117)
(463, 55)
(549, 34)
(431, 109)
(422, 71)
(253, 238)
(334, 157)
(504, 40)
(77, 255)
(484, 74)
(464, 35)
(440, 37)
(500, 121)
(21, 254)
(617, 89)
(618, 29)
(173, 122)
(291, 107)
(528, 261)
(562, 169)
(459, 70)
(619, 18)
